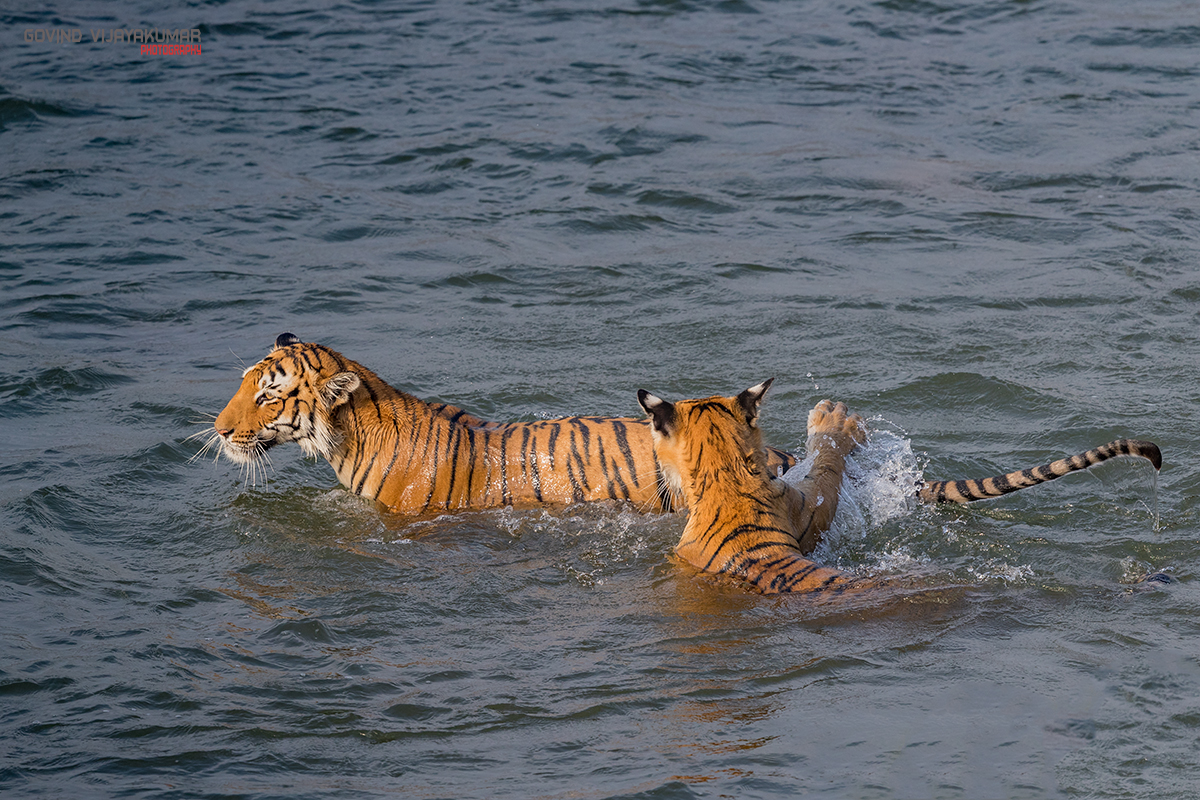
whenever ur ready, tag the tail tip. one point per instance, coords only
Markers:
(1155, 455)
(1149, 451)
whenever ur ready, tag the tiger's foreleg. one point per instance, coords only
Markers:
(833, 433)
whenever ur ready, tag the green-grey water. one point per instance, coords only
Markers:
(974, 222)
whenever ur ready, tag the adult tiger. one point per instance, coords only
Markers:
(743, 521)
(414, 456)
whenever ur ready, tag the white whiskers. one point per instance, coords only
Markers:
(257, 461)
(211, 439)
(252, 459)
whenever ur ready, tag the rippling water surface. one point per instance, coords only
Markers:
(975, 222)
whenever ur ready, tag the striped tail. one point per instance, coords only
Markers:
(971, 490)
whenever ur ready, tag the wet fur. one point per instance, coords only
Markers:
(742, 520)
(414, 456)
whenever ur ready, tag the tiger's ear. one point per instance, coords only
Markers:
(337, 390)
(662, 413)
(286, 340)
(751, 399)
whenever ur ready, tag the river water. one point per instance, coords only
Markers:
(974, 222)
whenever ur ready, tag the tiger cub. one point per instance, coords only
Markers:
(742, 520)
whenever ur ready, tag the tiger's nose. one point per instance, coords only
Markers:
(224, 432)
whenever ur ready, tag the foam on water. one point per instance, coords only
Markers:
(880, 486)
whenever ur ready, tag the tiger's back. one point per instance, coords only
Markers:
(456, 466)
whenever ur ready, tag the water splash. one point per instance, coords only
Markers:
(878, 486)
(994, 570)
(587, 541)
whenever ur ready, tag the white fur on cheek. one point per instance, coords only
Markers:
(669, 471)
(673, 478)
(317, 440)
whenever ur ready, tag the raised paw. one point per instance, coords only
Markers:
(835, 420)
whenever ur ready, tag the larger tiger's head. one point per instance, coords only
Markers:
(695, 440)
(289, 396)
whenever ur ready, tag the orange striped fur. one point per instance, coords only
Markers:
(743, 521)
(414, 456)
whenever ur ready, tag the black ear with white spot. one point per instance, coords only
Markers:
(337, 390)
(662, 413)
(751, 399)
(286, 340)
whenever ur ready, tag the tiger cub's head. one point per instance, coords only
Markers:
(701, 441)
(289, 396)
